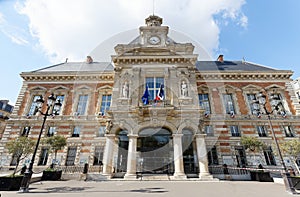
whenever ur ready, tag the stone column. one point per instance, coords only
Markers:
(202, 157)
(108, 155)
(131, 158)
(178, 157)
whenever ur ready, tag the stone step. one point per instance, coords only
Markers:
(151, 177)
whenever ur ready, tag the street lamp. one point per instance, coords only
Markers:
(276, 104)
(55, 106)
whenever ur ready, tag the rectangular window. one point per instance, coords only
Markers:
(154, 84)
(212, 156)
(71, 155)
(105, 103)
(51, 131)
(25, 131)
(43, 157)
(76, 131)
(34, 106)
(276, 101)
(98, 156)
(101, 131)
(208, 129)
(240, 156)
(254, 107)
(269, 156)
(204, 102)
(235, 132)
(82, 103)
(262, 131)
(58, 109)
(288, 131)
(229, 105)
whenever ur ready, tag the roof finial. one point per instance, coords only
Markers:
(153, 6)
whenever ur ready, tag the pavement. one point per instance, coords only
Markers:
(152, 188)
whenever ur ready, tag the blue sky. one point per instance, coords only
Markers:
(38, 33)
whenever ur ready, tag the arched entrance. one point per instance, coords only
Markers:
(155, 151)
(189, 153)
(121, 165)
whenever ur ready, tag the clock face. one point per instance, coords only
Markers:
(154, 40)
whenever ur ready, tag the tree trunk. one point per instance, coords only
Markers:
(17, 164)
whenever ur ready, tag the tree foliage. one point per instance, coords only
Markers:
(252, 143)
(291, 148)
(56, 143)
(20, 148)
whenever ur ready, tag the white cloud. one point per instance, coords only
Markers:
(74, 28)
(14, 33)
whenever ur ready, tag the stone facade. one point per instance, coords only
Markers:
(5, 111)
(193, 117)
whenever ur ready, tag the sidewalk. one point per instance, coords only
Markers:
(152, 188)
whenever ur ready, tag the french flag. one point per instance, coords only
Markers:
(160, 94)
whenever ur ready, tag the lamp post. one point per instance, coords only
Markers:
(275, 104)
(56, 106)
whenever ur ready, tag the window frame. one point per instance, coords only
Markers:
(70, 159)
(290, 132)
(52, 133)
(101, 131)
(76, 131)
(229, 104)
(98, 156)
(44, 155)
(34, 106)
(234, 131)
(212, 156)
(211, 130)
(204, 102)
(156, 86)
(23, 133)
(269, 156)
(265, 129)
(81, 109)
(103, 103)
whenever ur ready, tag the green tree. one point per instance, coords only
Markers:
(291, 148)
(252, 143)
(20, 148)
(56, 143)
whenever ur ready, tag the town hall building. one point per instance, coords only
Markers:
(156, 109)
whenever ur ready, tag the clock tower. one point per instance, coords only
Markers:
(153, 35)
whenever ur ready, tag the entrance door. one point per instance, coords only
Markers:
(188, 152)
(122, 152)
(156, 151)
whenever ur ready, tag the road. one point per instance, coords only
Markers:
(152, 188)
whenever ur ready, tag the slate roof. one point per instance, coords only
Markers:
(77, 67)
(231, 66)
(226, 66)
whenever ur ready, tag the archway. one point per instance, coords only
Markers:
(155, 151)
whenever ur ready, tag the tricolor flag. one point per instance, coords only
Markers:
(160, 94)
(145, 97)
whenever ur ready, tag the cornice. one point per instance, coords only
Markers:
(176, 59)
(242, 75)
(68, 76)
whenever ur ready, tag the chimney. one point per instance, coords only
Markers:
(89, 59)
(220, 58)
